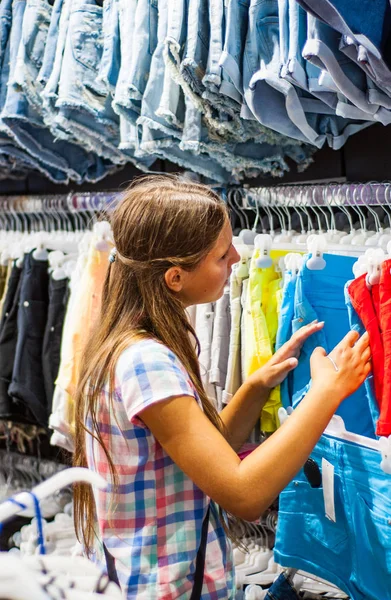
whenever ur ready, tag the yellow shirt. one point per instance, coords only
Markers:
(261, 323)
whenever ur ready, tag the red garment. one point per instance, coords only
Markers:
(384, 423)
(365, 308)
(375, 293)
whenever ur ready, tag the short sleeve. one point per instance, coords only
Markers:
(148, 372)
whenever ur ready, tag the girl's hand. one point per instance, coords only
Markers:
(351, 357)
(284, 360)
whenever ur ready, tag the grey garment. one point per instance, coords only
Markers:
(220, 341)
(204, 331)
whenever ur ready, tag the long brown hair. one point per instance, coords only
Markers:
(160, 222)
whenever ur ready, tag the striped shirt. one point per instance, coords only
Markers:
(154, 529)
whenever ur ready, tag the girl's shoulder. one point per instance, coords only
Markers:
(147, 356)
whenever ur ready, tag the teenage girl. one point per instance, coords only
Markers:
(145, 423)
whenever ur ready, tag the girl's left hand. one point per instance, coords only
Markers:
(284, 360)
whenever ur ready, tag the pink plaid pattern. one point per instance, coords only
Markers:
(155, 527)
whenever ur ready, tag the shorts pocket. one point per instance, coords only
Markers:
(372, 569)
(86, 37)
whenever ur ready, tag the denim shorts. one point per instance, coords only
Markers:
(236, 24)
(78, 164)
(320, 295)
(123, 104)
(365, 33)
(163, 106)
(110, 62)
(139, 23)
(18, 120)
(84, 106)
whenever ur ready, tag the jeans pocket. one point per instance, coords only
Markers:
(35, 29)
(372, 571)
(86, 37)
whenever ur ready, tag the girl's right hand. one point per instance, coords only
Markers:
(352, 357)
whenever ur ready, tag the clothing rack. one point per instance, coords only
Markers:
(330, 194)
(73, 202)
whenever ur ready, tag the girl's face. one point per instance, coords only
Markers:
(206, 283)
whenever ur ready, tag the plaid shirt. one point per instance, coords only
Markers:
(154, 529)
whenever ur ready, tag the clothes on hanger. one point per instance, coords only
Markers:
(228, 91)
(344, 539)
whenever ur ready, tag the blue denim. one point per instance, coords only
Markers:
(122, 103)
(357, 325)
(295, 69)
(197, 45)
(52, 73)
(284, 331)
(84, 107)
(51, 43)
(353, 552)
(13, 159)
(212, 75)
(322, 50)
(110, 63)
(370, 22)
(163, 145)
(368, 29)
(24, 101)
(282, 589)
(240, 160)
(136, 63)
(275, 102)
(17, 117)
(163, 106)
(236, 24)
(320, 295)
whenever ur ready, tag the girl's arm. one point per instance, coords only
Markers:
(241, 414)
(247, 488)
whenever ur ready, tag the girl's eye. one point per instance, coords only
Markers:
(224, 256)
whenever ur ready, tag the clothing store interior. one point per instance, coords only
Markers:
(279, 109)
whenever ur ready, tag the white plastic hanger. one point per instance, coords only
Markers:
(50, 487)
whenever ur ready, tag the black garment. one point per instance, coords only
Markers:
(51, 350)
(8, 340)
(27, 387)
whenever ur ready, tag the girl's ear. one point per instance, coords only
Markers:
(174, 278)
